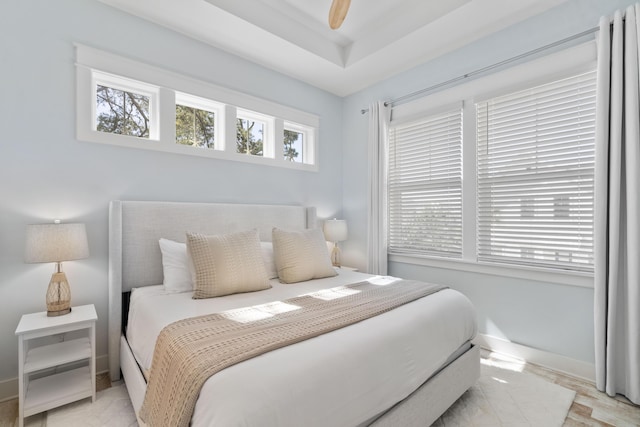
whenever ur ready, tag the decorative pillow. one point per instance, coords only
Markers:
(269, 260)
(227, 264)
(175, 266)
(301, 255)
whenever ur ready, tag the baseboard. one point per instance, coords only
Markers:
(557, 362)
(9, 388)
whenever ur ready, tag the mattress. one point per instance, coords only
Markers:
(345, 377)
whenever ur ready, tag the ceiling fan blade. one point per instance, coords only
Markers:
(338, 12)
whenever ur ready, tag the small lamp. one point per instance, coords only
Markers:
(56, 243)
(335, 230)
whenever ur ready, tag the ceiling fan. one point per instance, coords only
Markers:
(338, 12)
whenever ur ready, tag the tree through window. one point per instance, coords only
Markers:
(195, 127)
(249, 137)
(122, 112)
(293, 143)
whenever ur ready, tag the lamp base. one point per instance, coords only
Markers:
(59, 312)
(335, 255)
(58, 295)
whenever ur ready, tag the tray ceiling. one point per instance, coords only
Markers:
(377, 39)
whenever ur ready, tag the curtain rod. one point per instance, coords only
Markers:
(403, 98)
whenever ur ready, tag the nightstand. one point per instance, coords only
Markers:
(47, 374)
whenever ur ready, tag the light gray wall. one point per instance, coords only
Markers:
(546, 316)
(45, 173)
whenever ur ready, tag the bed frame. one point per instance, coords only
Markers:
(135, 260)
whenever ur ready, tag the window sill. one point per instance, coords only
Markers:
(584, 280)
(171, 147)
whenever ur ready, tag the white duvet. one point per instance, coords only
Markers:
(343, 378)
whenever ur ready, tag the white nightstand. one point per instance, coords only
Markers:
(47, 391)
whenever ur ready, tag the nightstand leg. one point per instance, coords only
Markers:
(93, 361)
(21, 384)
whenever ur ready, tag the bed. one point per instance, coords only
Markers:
(403, 367)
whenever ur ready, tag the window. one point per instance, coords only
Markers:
(251, 130)
(124, 107)
(297, 143)
(293, 145)
(130, 104)
(122, 112)
(535, 175)
(425, 185)
(196, 121)
(504, 184)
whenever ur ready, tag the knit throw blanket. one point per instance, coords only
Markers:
(189, 351)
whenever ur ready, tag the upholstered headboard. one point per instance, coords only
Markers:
(135, 228)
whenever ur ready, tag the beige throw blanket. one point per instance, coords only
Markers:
(189, 351)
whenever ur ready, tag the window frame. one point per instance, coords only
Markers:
(549, 148)
(428, 115)
(555, 66)
(308, 142)
(127, 85)
(268, 149)
(167, 87)
(203, 104)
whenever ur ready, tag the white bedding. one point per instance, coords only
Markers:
(345, 377)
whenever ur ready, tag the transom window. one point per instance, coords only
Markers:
(124, 106)
(126, 103)
(252, 130)
(122, 112)
(296, 144)
(196, 121)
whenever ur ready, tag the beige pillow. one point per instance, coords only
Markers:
(227, 264)
(301, 255)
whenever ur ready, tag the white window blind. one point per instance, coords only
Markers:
(535, 175)
(425, 186)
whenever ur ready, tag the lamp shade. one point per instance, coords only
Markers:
(56, 243)
(335, 230)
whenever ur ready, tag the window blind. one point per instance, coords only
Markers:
(535, 175)
(425, 186)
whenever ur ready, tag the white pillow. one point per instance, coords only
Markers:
(269, 259)
(227, 264)
(301, 255)
(176, 266)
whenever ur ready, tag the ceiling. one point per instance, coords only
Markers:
(379, 38)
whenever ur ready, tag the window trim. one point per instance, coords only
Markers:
(127, 85)
(557, 65)
(169, 84)
(203, 104)
(404, 189)
(308, 142)
(268, 139)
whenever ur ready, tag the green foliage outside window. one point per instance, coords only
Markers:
(290, 138)
(195, 127)
(122, 112)
(249, 137)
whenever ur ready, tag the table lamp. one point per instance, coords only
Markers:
(335, 230)
(56, 243)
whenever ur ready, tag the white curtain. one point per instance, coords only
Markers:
(617, 208)
(379, 116)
